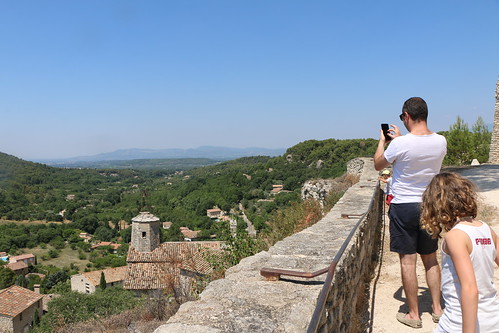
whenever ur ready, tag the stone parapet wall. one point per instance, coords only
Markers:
(245, 302)
(347, 306)
(494, 144)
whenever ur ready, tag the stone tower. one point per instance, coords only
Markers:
(145, 232)
(494, 143)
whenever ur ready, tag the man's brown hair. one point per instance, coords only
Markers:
(416, 108)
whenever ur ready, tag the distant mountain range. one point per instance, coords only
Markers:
(210, 152)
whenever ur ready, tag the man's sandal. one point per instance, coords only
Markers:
(436, 317)
(414, 323)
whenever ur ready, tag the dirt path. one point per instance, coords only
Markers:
(387, 296)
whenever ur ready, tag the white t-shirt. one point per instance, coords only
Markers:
(416, 159)
(482, 257)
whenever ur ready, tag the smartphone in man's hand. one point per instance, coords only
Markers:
(385, 128)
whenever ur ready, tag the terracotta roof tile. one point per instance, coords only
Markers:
(22, 257)
(15, 299)
(111, 275)
(15, 266)
(157, 269)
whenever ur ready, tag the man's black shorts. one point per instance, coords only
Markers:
(406, 236)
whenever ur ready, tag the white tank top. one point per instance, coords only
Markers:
(482, 257)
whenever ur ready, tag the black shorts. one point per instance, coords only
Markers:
(406, 235)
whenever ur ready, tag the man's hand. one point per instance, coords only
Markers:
(382, 139)
(380, 161)
(394, 131)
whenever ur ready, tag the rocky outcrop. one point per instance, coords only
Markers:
(355, 167)
(318, 189)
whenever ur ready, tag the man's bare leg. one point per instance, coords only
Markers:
(410, 283)
(433, 280)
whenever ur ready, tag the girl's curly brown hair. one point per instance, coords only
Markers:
(448, 197)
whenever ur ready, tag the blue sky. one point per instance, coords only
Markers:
(84, 77)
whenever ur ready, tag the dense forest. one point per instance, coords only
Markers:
(95, 200)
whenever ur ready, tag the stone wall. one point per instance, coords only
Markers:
(6, 324)
(145, 236)
(494, 144)
(245, 302)
(21, 322)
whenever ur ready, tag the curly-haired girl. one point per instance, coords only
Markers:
(469, 250)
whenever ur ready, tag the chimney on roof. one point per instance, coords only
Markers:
(145, 232)
(36, 288)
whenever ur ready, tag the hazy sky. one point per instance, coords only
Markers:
(82, 77)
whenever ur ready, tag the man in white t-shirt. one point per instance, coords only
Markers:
(416, 157)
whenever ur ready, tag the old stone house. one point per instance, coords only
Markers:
(214, 213)
(276, 188)
(172, 265)
(114, 246)
(19, 267)
(17, 308)
(86, 236)
(88, 282)
(189, 234)
(27, 258)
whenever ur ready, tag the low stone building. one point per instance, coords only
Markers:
(19, 267)
(27, 258)
(214, 213)
(86, 236)
(189, 234)
(88, 282)
(17, 309)
(276, 189)
(114, 246)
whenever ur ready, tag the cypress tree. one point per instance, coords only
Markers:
(36, 318)
(102, 283)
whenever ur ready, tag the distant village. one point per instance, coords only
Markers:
(151, 266)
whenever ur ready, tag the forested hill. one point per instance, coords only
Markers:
(31, 191)
(11, 165)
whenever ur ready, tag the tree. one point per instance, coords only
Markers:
(21, 281)
(7, 277)
(36, 318)
(73, 307)
(464, 145)
(459, 144)
(53, 279)
(102, 283)
(481, 140)
(104, 233)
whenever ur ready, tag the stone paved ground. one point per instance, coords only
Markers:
(387, 296)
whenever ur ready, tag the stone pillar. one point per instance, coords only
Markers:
(145, 232)
(494, 144)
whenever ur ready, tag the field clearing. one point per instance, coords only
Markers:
(32, 222)
(66, 257)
